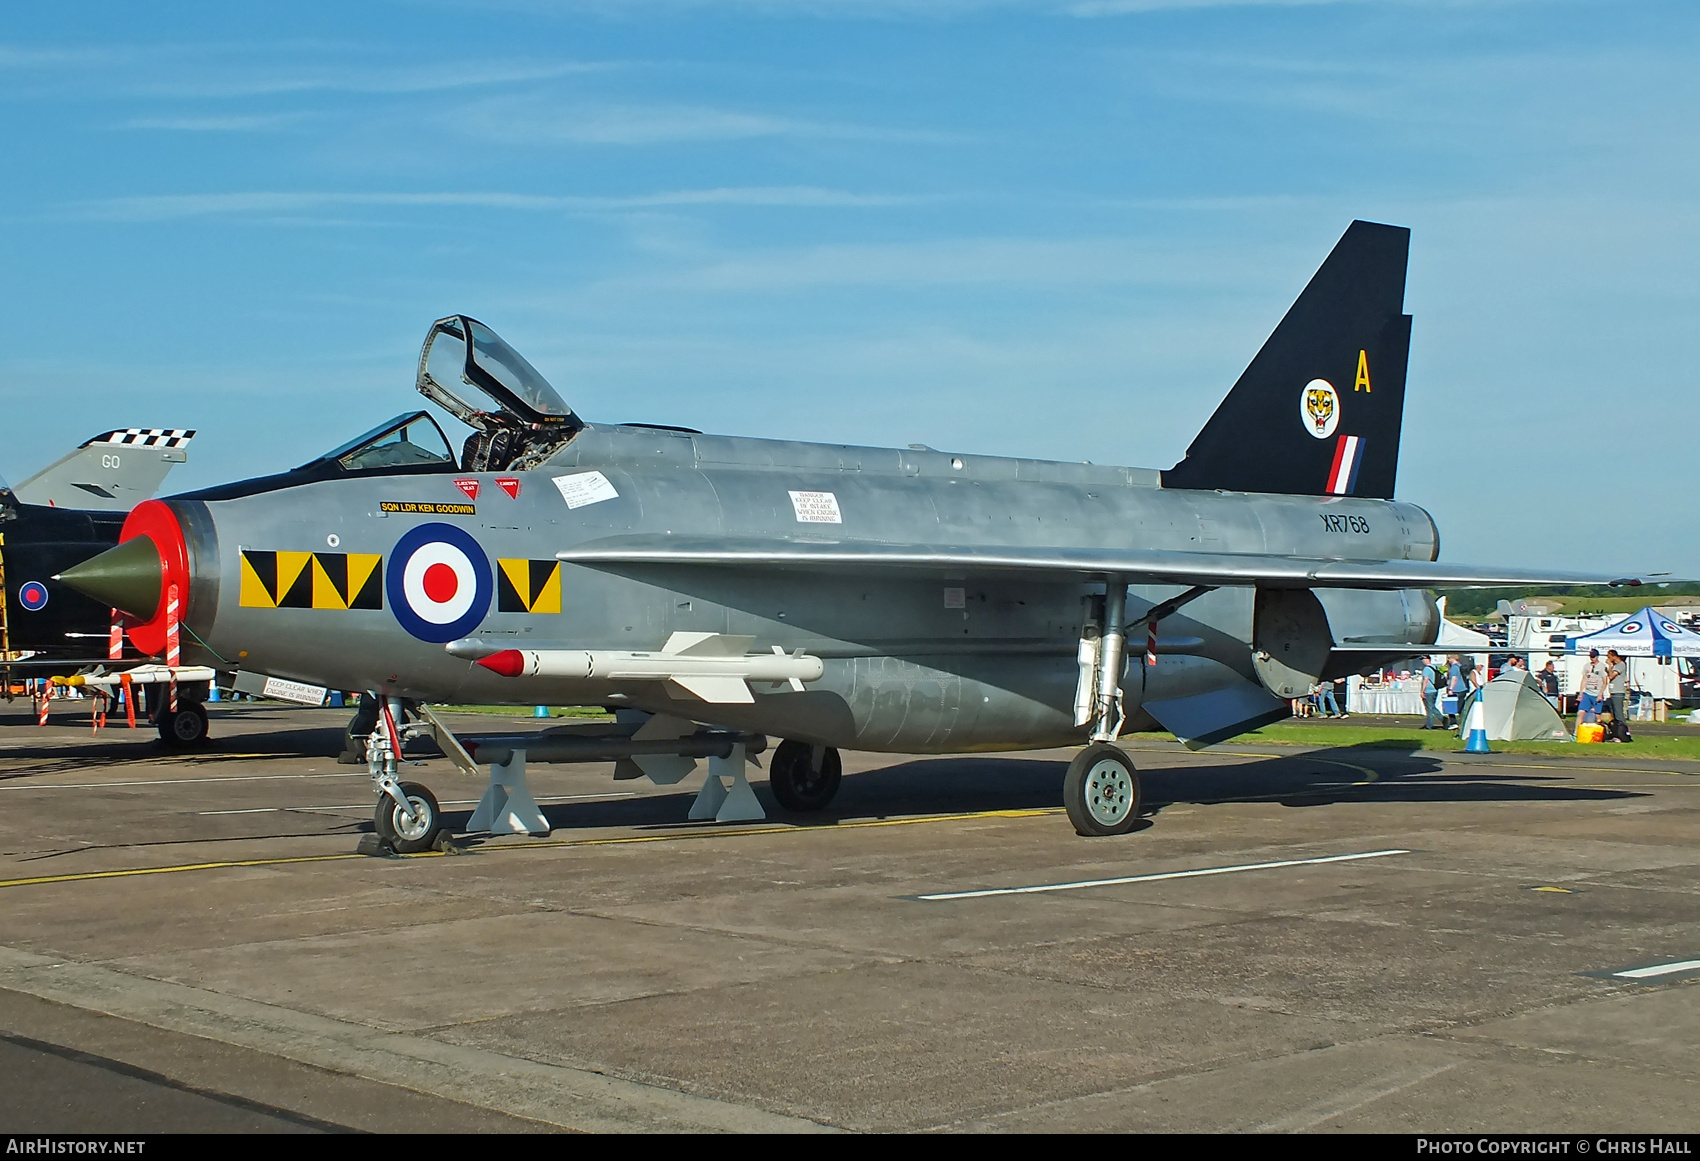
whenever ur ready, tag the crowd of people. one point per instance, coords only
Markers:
(1604, 687)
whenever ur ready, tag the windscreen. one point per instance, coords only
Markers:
(509, 368)
(402, 442)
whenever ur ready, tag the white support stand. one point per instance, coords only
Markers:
(735, 804)
(507, 806)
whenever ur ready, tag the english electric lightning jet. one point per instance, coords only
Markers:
(716, 590)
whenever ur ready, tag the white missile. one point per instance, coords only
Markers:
(140, 675)
(714, 667)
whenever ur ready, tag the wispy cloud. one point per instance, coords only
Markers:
(378, 79)
(1134, 7)
(531, 121)
(262, 203)
(248, 70)
(259, 123)
(1011, 262)
(930, 10)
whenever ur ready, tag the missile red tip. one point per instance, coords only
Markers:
(508, 663)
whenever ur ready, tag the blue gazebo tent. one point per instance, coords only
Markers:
(1648, 633)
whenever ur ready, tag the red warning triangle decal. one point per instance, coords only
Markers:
(510, 485)
(470, 487)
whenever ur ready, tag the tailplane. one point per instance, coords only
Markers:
(113, 472)
(1319, 409)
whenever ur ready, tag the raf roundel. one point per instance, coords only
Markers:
(32, 595)
(439, 582)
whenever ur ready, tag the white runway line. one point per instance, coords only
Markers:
(1197, 874)
(1659, 969)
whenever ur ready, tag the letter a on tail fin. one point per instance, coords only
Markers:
(1318, 410)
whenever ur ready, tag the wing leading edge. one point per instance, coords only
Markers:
(1136, 566)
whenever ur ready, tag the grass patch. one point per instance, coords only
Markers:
(1445, 741)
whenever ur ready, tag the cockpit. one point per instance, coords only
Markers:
(517, 418)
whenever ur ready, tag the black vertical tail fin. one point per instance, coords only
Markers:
(1318, 410)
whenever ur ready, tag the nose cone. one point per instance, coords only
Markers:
(128, 577)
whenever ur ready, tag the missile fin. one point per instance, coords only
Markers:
(708, 644)
(714, 690)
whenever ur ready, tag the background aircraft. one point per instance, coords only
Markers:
(69, 511)
(881, 599)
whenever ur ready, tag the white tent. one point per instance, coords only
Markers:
(1515, 711)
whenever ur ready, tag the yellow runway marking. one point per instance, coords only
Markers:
(543, 844)
(125, 874)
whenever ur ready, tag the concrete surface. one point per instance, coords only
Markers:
(188, 942)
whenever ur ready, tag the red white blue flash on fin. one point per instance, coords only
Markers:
(1348, 457)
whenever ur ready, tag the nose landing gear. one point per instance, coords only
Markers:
(407, 819)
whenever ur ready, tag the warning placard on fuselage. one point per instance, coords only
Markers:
(816, 508)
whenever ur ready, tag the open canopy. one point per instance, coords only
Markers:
(1648, 633)
(454, 373)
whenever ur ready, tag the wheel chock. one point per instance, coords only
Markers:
(374, 847)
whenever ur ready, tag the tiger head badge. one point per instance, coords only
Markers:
(1319, 408)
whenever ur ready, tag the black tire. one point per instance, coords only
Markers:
(405, 837)
(184, 729)
(796, 784)
(1101, 791)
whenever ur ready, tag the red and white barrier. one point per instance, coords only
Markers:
(173, 654)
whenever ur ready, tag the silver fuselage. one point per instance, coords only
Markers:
(911, 664)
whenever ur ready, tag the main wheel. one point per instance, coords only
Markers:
(185, 728)
(409, 838)
(1101, 791)
(797, 783)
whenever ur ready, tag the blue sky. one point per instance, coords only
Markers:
(1056, 229)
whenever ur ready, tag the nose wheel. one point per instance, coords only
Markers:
(409, 836)
(1101, 791)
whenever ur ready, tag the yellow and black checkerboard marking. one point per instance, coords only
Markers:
(312, 580)
(528, 586)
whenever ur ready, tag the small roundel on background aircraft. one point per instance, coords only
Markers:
(439, 582)
(32, 595)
